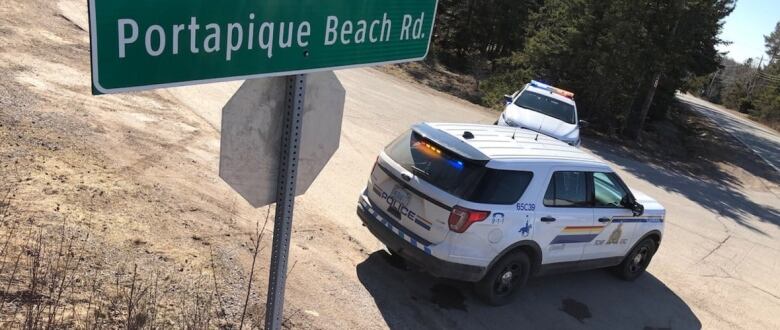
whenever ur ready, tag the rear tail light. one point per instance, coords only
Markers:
(462, 218)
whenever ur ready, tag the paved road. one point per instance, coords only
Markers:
(717, 267)
(763, 141)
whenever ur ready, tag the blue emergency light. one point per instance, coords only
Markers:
(458, 165)
(541, 85)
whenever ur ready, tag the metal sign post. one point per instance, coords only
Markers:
(288, 165)
(191, 42)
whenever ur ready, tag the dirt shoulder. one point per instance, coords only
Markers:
(125, 187)
(437, 77)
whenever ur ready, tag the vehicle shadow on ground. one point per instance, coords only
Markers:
(695, 150)
(409, 299)
(720, 196)
(765, 146)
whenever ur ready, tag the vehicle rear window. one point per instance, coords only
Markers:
(547, 106)
(463, 178)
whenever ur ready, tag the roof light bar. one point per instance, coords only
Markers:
(552, 89)
(429, 147)
(541, 85)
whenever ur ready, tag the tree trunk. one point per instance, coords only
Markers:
(637, 116)
(636, 119)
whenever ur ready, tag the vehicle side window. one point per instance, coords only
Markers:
(567, 189)
(608, 190)
(501, 187)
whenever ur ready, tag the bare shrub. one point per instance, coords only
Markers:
(56, 276)
(6, 193)
(255, 240)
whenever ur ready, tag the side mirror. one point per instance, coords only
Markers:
(638, 209)
(630, 203)
(584, 124)
(508, 99)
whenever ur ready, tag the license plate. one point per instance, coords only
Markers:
(399, 197)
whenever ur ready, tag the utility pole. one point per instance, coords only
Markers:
(754, 81)
(712, 81)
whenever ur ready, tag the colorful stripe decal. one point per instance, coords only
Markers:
(585, 234)
(578, 234)
(583, 230)
(637, 220)
(562, 239)
(394, 229)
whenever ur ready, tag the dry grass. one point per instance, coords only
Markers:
(256, 239)
(438, 77)
(773, 124)
(51, 278)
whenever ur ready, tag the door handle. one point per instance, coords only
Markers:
(548, 219)
(406, 177)
(602, 220)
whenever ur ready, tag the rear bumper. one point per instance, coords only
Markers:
(411, 249)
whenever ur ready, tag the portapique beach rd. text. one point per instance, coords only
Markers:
(254, 35)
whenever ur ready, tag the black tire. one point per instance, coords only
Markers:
(503, 280)
(636, 261)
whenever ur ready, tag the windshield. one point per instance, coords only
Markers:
(547, 106)
(458, 176)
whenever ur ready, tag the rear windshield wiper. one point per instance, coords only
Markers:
(417, 169)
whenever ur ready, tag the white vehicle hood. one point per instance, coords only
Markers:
(652, 207)
(544, 124)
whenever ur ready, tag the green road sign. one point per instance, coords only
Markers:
(146, 44)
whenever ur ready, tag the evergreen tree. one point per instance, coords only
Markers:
(767, 100)
(772, 42)
(470, 32)
(623, 59)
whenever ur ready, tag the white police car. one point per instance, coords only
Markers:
(544, 109)
(495, 205)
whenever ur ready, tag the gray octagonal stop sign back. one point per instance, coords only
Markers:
(252, 132)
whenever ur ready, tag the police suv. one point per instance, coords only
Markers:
(545, 109)
(495, 205)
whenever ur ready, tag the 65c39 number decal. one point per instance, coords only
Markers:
(526, 206)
